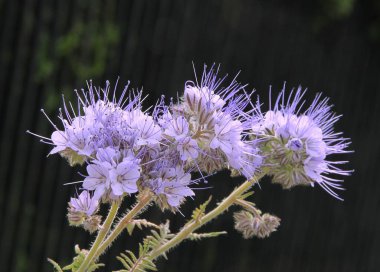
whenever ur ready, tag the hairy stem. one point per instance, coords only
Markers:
(188, 229)
(101, 235)
(248, 206)
(143, 201)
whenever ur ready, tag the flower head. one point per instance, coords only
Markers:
(296, 144)
(112, 173)
(81, 208)
(84, 203)
(170, 185)
(211, 125)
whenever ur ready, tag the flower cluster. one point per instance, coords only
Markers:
(127, 150)
(296, 144)
(153, 154)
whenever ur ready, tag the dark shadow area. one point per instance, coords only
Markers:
(49, 48)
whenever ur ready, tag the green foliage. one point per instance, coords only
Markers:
(77, 261)
(82, 52)
(200, 236)
(143, 262)
(158, 238)
(55, 265)
(337, 9)
(199, 212)
(328, 11)
(140, 223)
(246, 195)
(84, 48)
(133, 263)
(45, 63)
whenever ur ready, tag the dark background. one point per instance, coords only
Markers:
(51, 47)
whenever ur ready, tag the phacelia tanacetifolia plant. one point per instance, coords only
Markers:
(151, 156)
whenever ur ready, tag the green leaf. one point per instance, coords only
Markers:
(56, 266)
(78, 260)
(130, 228)
(248, 194)
(199, 236)
(140, 223)
(200, 211)
(142, 262)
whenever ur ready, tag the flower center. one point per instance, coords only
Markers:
(294, 144)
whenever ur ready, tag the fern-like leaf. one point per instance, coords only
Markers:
(248, 194)
(140, 223)
(142, 262)
(200, 211)
(199, 236)
(78, 260)
(132, 263)
(55, 265)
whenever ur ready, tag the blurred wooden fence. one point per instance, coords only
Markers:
(51, 47)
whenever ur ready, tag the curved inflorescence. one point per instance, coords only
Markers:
(296, 144)
(128, 151)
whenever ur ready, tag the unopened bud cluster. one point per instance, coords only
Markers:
(81, 212)
(250, 225)
(127, 150)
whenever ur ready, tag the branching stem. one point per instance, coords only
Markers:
(101, 235)
(143, 202)
(194, 225)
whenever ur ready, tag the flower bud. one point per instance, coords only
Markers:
(251, 225)
(75, 218)
(92, 223)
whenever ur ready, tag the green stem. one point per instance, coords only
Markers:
(248, 206)
(101, 235)
(191, 227)
(143, 201)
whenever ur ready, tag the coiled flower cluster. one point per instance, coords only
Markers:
(296, 144)
(127, 150)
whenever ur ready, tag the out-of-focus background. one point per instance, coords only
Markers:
(49, 48)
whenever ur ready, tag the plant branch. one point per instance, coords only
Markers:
(101, 235)
(143, 201)
(189, 228)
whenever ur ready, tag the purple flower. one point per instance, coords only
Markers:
(172, 184)
(228, 134)
(124, 177)
(178, 128)
(214, 117)
(247, 160)
(59, 139)
(296, 144)
(98, 179)
(98, 123)
(145, 130)
(112, 173)
(188, 149)
(84, 203)
(75, 142)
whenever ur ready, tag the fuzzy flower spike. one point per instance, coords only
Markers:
(297, 144)
(217, 115)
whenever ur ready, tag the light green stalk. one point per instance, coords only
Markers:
(101, 235)
(143, 202)
(189, 228)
